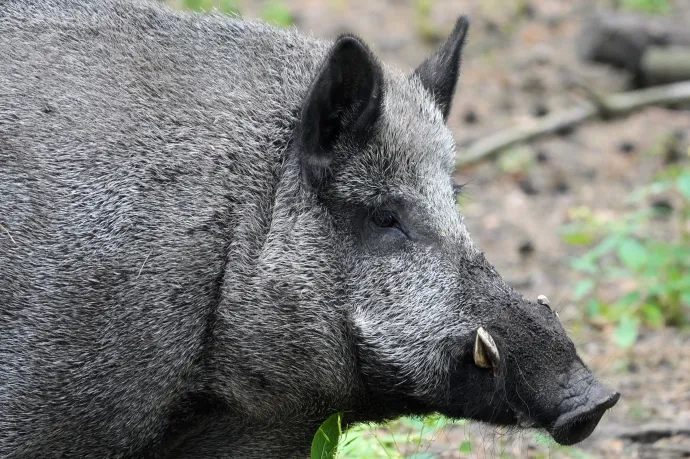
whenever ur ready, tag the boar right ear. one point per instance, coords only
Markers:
(439, 72)
(343, 103)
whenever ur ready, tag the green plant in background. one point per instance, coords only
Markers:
(406, 437)
(277, 12)
(650, 267)
(224, 6)
(648, 6)
(426, 30)
(411, 437)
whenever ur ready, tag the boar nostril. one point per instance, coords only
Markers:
(485, 351)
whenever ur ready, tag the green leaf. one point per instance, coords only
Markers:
(683, 184)
(225, 6)
(585, 265)
(648, 6)
(276, 12)
(542, 439)
(630, 299)
(229, 7)
(578, 238)
(653, 315)
(466, 447)
(632, 254)
(594, 308)
(685, 298)
(582, 289)
(518, 159)
(626, 332)
(325, 442)
(196, 5)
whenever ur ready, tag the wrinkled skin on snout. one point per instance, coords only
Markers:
(421, 292)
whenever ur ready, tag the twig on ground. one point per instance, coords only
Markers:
(608, 106)
(650, 433)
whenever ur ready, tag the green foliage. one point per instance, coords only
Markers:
(650, 267)
(426, 30)
(325, 442)
(648, 6)
(466, 447)
(516, 160)
(277, 12)
(224, 6)
(406, 437)
(409, 438)
(546, 441)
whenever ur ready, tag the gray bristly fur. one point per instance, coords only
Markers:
(171, 287)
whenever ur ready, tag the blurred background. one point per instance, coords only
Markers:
(594, 214)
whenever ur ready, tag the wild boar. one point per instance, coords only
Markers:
(216, 233)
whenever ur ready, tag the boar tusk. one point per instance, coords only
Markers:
(541, 299)
(485, 350)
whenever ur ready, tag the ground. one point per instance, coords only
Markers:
(520, 62)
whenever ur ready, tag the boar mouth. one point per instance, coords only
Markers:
(576, 425)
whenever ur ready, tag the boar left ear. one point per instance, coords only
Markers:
(343, 103)
(439, 72)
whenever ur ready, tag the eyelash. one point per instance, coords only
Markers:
(457, 189)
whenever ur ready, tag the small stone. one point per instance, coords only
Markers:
(554, 21)
(526, 248)
(527, 10)
(528, 187)
(626, 147)
(533, 84)
(542, 156)
(470, 116)
(565, 131)
(539, 109)
(561, 187)
(491, 26)
(662, 206)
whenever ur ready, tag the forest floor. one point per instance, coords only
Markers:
(520, 63)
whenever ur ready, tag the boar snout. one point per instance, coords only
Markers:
(582, 413)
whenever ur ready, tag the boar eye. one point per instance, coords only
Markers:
(384, 219)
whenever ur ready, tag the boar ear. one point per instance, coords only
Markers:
(439, 72)
(343, 103)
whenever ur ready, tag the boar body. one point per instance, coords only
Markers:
(216, 233)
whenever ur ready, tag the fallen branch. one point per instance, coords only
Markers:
(650, 433)
(613, 105)
(661, 65)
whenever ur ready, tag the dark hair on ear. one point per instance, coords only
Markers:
(439, 72)
(343, 103)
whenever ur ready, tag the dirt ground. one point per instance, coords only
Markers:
(520, 62)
